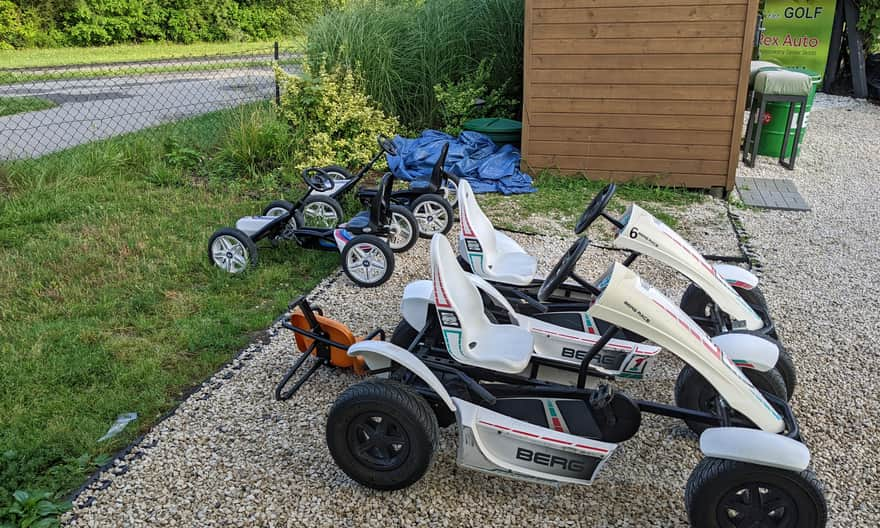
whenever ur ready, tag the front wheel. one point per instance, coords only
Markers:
(696, 303)
(321, 211)
(232, 250)
(693, 391)
(403, 229)
(368, 261)
(727, 493)
(450, 189)
(277, 208)
(382, 434)
(433, 213)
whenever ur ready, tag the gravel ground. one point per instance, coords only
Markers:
(232, 456)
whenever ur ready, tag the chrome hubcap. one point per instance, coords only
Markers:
(400, 232)
(320, 214)
(432, 217)
(230, 254)
(366, 263)
(450, 192)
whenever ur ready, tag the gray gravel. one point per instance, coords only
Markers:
(232, 456)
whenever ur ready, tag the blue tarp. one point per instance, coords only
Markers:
(487, 167)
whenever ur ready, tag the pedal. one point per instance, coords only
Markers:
(600, 401)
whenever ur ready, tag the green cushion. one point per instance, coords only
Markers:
(758, 66)
(783, 82)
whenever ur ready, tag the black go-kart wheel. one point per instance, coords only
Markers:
(693, 391)
(433, 213)
(403, 229)
(696, 302)
(450, 189)
(232, 250)
(277, 208)
(382, 434)
(321, 211)
(727, 493)
(367, 261)
(335, 172)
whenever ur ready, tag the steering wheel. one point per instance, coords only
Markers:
(387, 145)
(592, 212)
(317, 179)
(563, 268)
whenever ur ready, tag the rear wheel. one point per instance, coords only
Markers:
(697, 303)
(726, 493)
(433, 213)
(403, 229)
(368, 261)
(450, 189)
(232, 250)
(277, 208)
(693, 391)
(382, 434)
(321, 211)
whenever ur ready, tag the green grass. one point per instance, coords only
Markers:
(17, 105)
(43, 57)
(108, 303)
(568, 196)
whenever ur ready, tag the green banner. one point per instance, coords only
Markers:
(797, 33)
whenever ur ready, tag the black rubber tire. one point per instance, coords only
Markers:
(239, 235)
(330, 202)
(334, 170)
(454, 179)
(414, 228)
(283, 204)
(406, 411)
(785, 366)
(693, 391)
(694, 302)
(440, 202)
(378, 243)
(404, 334)
(714, 478)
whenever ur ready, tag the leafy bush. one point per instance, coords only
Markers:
(470, 98)
(332, 120)
(869, 23)
(402, 49)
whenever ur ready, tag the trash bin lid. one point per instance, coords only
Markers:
(493, 125)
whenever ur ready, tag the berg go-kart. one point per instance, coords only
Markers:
(430, 199)
(383, 432)
(558, 350)
(366, 258)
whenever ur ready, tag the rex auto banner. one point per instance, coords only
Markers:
(797, 33)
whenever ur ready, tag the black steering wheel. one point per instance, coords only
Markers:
(317, 179)
(592, 212)
(563, 268)
(387, 145)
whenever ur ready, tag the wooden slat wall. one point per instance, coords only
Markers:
(648, 89)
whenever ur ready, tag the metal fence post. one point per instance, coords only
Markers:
(277, 88)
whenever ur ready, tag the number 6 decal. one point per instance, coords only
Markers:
(634, 232)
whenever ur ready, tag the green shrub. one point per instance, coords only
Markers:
(332, 120)
(869, 24)
(459, 100)
(402, 49)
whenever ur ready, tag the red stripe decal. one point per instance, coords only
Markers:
(563, 442)
(517, 431)
(591, 448)
(558, 441)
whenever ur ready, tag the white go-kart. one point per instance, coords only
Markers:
(383, 432)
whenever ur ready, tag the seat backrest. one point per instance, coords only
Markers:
(458, 302)
(477, 241)
(437, 173)
(381, 203)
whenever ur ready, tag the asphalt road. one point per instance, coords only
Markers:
(102, 107)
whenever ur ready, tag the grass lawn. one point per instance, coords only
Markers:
(41, 57)
(108, 303)
(17, 105)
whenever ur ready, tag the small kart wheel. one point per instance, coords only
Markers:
(382, 434)
(697, 303)
(335, 172)
(433, 213)
(232, 250)
(693, 391)
(368, 261)
(450, 189)
(403, 229)
(724, 492)
(404, 334)
(321, 211)
(277, 208)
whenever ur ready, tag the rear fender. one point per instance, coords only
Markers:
(748, 350)
(755, 447)
(381, 354)
(736, 276)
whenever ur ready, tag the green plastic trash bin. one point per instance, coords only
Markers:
(774, 121)
(501, 131)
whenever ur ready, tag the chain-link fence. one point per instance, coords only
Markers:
(97, 101)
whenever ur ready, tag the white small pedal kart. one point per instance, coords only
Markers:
(383, 432)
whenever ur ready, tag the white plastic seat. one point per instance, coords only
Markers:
(491, 254)
(471, 338)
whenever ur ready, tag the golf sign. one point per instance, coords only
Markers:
(797, 33)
